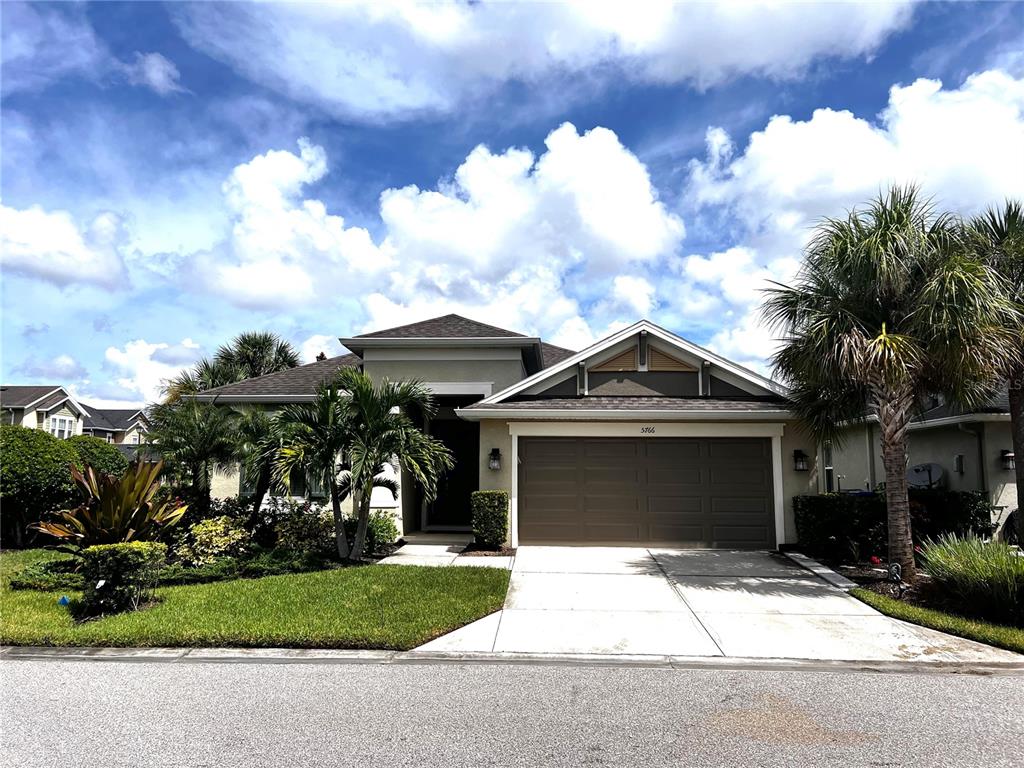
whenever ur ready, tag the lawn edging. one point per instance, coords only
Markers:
(997, 635)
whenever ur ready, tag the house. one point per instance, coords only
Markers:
(947, 447)
(47, 407)
(120, 426)
(642, 438)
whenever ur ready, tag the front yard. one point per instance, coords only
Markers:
(388, 607)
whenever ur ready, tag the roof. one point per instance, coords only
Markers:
(300, 382)
(20, 396)
(613, 403)
(554, 355)
(445, 327)
(112, 419)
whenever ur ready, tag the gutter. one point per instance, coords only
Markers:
(595, 414)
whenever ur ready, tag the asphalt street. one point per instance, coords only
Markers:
(108, 714)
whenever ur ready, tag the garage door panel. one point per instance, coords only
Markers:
(684, 492)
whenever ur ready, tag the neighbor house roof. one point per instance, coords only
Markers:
(38, 397)
(293, 384)
(112, 419)
(446, 327)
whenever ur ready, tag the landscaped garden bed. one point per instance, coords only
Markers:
(395, 607)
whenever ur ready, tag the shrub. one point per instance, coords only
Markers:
(302, 526)
(50, 575)
(213, 538)
(98, 454)
(490, 517)
(851, 527)
(116, 509)
(119, 577)
(35, 479)
(984, 579)
(380, 531)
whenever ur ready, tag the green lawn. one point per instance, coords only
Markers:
(391, 607)
(1010, 638)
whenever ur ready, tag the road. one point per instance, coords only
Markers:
(256, 715)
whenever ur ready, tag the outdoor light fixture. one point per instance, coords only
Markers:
(494, 459)
(1008, 459)
(799, 461)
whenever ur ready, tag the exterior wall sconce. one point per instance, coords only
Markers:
(800, 461)
(1008, 459)
(494, 459)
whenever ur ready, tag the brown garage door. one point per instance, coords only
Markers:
(680, 491)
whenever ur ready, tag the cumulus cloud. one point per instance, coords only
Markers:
(317, 343)
(49, 245)
(59, 370)
(955, 142)
(376, 60)
(140, 372)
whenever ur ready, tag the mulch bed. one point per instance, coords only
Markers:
(478, 550)
(923, 592)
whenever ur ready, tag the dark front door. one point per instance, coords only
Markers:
(451, 507)
(714, 493)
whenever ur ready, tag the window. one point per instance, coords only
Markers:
(134, 440)
(61, 427)
(110, 437)
(830, 480)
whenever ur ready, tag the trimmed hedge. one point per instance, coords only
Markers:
(851, 527)
(490, 517)
(119, 577)
(98, 454)
(35, 479)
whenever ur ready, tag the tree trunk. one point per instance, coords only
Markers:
(340, 540)
(362, 521)
(260, 493)
(1017, 437)
(893, 418)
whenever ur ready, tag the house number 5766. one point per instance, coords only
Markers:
(646, 430)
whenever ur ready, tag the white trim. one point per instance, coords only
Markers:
(637, 414)
(962, 419)
(570, 429)
(68, 399)
(37, 400)
(460, 387)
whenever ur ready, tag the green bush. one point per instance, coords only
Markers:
(98, 454)
(119, 577)
(50, 575)
(209, 539)
(490, 517)
(35, 480)
(380, 531)
(984, 579)
(304, 527)
(851, 527)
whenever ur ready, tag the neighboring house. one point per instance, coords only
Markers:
(45, 407)
(962, 451)
(120, 426)
(642, 438)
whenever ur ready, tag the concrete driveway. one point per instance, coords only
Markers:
(663, 602)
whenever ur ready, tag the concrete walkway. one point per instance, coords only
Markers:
(441, 549)
(678, 603)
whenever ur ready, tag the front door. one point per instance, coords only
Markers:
(451, 508)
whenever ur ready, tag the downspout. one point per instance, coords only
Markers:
(979, 435)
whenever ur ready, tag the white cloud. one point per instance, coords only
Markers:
(51, 247)
(60, 370)
(155, 72)
(317, 343)
(376, 59)
(955, 142)
(634, 293)
(140, 372)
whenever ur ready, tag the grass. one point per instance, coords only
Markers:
(389, 607)
(1010, 638)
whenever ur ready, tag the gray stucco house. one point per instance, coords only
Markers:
(642, 438)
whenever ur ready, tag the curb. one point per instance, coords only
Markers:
(824, 572)
(329, 656)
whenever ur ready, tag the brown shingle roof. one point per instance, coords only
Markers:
(302, 380)
(20, 396)
(446, 327)
(553, 354)
(598, 402)
(110, 419)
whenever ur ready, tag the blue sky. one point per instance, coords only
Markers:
(174, 174)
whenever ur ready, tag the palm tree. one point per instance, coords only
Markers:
(257, 443)
(888, 308)
(998, 237)
(194, 437)
(250, 354)
(313, 436)
(381, 432)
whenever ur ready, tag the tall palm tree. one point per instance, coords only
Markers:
(889, 307)
(381, 432)
(250, 354)
(194, 438)
(313, 437)
(998, 237)
(257, 444)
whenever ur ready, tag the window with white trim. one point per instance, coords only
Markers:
(61, 427)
